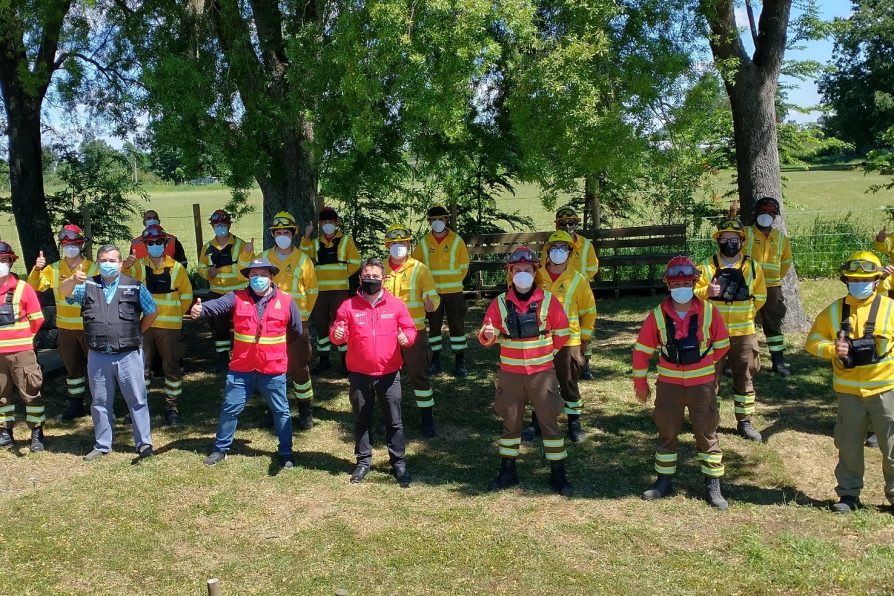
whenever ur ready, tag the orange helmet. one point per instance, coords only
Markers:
(6, 251)
(681, 268)
(154, 232)
(220, 217)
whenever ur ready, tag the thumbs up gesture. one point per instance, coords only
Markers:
(308, 229)
(130, 260)
(883, 233)
(196, 311)
(487, 331)
(402, 339)
(429, 305)
(714, 288)
(339, 331)
(41, 262)
(842, 348)
(79, 275)
(249, 247)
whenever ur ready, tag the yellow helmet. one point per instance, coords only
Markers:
(559, 236)
(862, 265)
(398, 233)
(284, 221)
(567, 213)
(729, 225)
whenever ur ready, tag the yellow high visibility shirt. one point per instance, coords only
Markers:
(866, 380)
(412, 282)
(228, 277)
(573, 291)
(773, 252)
(68, 316)
(582, 258)
(448, 260)
(296, 277)
(334, 274)
(738, 315)
(171, 305)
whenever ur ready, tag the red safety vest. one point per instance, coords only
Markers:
(260, 346)
(142, 251)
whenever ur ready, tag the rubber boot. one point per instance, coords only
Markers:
(323, 365)
(558, 480)
(663, 487)
(507, 476)
(575, 432)
(746, 431)
(6, 439)
(428, 422)
(36, 439)
(713, 495)
(779, 366)
(435, 367)
(871, 441)
(305, 415)
(74, 410)
(585, 374)
(459, 368)
(533, 430)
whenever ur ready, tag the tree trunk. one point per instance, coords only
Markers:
(591, 199)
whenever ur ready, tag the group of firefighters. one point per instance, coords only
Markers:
(260, 307)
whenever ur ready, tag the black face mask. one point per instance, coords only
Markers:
(371, 287)
(729, 249)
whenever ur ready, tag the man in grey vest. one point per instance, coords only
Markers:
(117, 309)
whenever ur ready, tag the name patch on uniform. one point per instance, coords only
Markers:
(388, 315)
(128, 292)
(360, 317)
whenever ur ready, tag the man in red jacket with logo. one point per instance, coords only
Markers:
(262, 316)
(375, 325)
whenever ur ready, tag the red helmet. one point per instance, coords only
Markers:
(523, 255)
(6, 251)
(154, 232)
(681, 268)
(220, 217)
(71, 234)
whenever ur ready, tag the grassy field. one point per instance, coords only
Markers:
(165, 526)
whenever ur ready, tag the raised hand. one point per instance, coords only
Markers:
(429, 305)
(196, 311)
(308, 229)
(41, 262)
(714, 289)
(402, 339)
(339, 331)
(79, 275)
(883, 233)
(249, 247)
(130, 260)
(487, 331)
(842, 348)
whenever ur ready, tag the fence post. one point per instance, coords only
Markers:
(197, 222)
(213, 587)
(88, 232)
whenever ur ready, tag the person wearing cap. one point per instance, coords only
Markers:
(297, 278)
(530, 325)
(220, 262)
(445, 254)
(856, 334)
(167, 281)
(263, 316)
(583, 259)
(375, 326)
(71, 343)
(336, 258)
(117, 310)
(173, 247)
(573, 291)
(734, 283)
(690, 337)
(20, 319)
(773, 251)
(411, 281)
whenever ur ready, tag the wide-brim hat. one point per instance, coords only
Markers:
(261, 263)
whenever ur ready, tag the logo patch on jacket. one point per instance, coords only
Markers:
(360, 317)
(277, 306)
(387, 315)
(128, 292)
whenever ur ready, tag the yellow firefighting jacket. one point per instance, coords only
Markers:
(738, 315)
(773, 252)
(412, 282)
(297, 277)
(171, 305)
(68, 316)
(448, 260)
(228, 277)
(333, 276)
(573, 291)
(582, 258)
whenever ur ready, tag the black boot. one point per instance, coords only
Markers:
(847, 504)
(305, 415)
(779, 366)
(746, 431)
(459, 368)
(533, 430)
(663, 487)
(507, 476)
(871, 441)
(74, 410)
(323, 365)
(585, 374)
(428, 422)
(558, 480)
(36, 439)
(6, 439)
(713, 495)
(575, 432)
(435, 367)
(172, 418)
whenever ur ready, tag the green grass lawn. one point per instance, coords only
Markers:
(165, 526)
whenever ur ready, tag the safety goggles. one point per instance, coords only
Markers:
(730, 225)
(283, 221)
(5, 248)
(217, 218)
(68, 235)
(730, 241)
(681, 271)
(522, 256)
(399, 234)
(566, 223)
(865, 266)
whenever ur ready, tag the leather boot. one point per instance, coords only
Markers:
(74, 410)
(558, 480)
(663, 487)
(507, 476)
(459, 368)
(575, 432)
(713, 495)
(6, 439)
(305, 415)
(847, 504)
(428, 422)
(36, 439)
(746, 431)
(779, 366)
(532, 431)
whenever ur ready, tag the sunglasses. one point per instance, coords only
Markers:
(681, 271)
(567, 222)
(68, 235)
(156, 242)
(560, 248)
(282, 221)
(729, 241)
(865, 266)
(394, 234)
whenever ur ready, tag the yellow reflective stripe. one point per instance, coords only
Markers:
(277, 339)
(659, 322)
(723, 343)
(644, 348)
(521, 344)
(640, 373)
(686, 374)
(528, 362)
(666, 457)
(452, 284)
(13, 343)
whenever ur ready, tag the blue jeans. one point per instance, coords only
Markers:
(240, 387)
(104, 372)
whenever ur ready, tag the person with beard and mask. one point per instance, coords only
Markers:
(411, 281)
(530, 325)
(117, 310)
(573, 291)
(773, 251)
(263, 317)
(583, 259)
(336, 258)
(857, 333)
(71, 344)
(220, 262)
(446, 256)
(376, 327)
(167, 281)
(297, 278)
(691, 338)
(173, 247)
(734, 282)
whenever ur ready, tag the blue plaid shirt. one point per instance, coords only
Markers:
(146, 301)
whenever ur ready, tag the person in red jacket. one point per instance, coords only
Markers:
(690, 337)
(375, 325)
(530, 325)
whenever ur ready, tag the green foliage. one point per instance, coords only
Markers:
(820, 249)
(803, 144)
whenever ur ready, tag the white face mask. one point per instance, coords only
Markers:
(4, 269)
(398, 251)
(523, 281)
(71, 251)
(681, 295)
(283, 242)
(438, 226)
(329, 229)
(765, 220)
(558, 256)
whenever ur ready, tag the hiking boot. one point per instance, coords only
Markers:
(846, 504)
(172, 418)
(713, 495)
(558, 480)
(459, 368)
(215, 458)
(663, 487)
(507, 476)
(871, 441)
(94, 455)
(575, 432)
(146, 452)
(532, 431)
(746, 431)
(428, 423)
(286, 462)
(75, 409)
(585, 374)
(323, 365)
(36, 439)
(305, 415)
(779, 366)
(6, 439)
(435, 367)
(359, 473)
(399, 471)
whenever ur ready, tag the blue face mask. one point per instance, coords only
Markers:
(156, 250)
(860, 289)
(259, 284)
(108, 269)
(151, 222)
(681, 295)
(221, 231)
